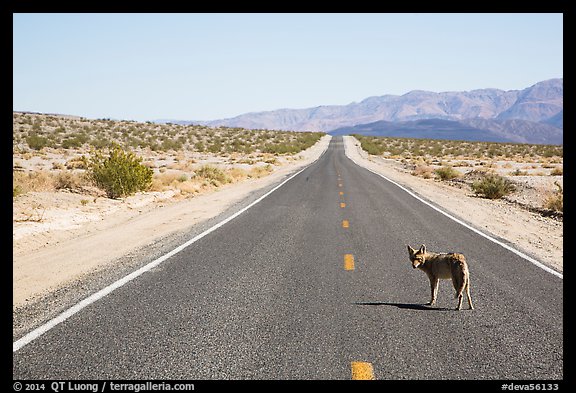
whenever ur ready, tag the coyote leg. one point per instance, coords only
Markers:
(468, 295)
(433, 291)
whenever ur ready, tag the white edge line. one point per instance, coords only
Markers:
(506, 246)
(34, 334)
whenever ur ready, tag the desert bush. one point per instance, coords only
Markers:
(169, 144)
(37, 142)
(424, 171)
(371, 146)
(100, 142)
(237, 174)
(260, 171)
(493, 186)
(558, 171)
(66, 180)
(214, 175)
(280, 148)
(78, 162)
(518, 172)
(120, 174)
(164, 181)
(32, 181)
(17, 190)
(447, 173)
(71, 143)
(556, 200)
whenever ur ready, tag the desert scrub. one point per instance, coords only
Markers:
(424, 171)
(415, 147)
(119, 174)
(260, 171)
(34, 132)
(557, 171)
(214, 175)
(66, 180)
(37, 142)
(447, 173)
(555, 201)
(31, 182)
(493, 186)
(17, 190)
(371, 145)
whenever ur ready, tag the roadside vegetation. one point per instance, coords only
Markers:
(120, 173)
(35, 132)
(120, 158)
(409, 148)
(489, 169)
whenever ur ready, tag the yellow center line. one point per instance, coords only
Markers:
(345, 224)
(362, 371)
(341, 193)
(342, 204)
(348, 262)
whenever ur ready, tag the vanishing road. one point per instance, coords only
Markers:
(314, 282)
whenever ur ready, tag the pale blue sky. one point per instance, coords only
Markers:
(212, 66)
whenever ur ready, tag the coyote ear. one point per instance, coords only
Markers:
(410, 250)
(422, 249)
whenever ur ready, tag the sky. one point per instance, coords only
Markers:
(213, 66)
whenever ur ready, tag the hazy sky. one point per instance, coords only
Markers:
(213, 66)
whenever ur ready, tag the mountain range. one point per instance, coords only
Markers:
(531, 115)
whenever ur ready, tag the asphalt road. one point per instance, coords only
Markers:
(268, 296)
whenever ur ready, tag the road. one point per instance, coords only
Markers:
(306, 283)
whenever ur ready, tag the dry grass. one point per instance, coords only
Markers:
(494, 168)
(206, 177)
(37, 132)
(50, 152)
(413, 148)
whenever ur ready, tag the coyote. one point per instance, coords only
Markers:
(445, 266)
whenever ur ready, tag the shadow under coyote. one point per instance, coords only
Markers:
(405, 306)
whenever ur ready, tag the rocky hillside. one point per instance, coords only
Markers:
(534, 114)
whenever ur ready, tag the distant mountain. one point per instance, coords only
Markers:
(520, 131)
(427, 128)
(557, 120)
(515, 131)
(528, 115)
(538, 102)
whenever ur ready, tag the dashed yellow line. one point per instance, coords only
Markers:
(341, 193)
(348, 262)
(362, 371)
(345, 224)
(342, 204)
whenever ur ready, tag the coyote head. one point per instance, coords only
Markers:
(417, 257)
